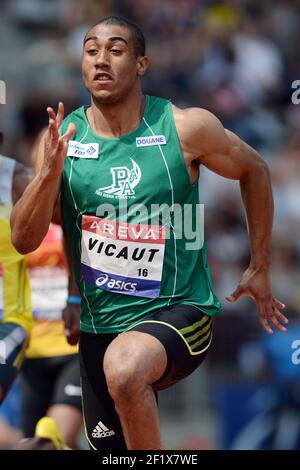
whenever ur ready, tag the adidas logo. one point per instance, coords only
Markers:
(102, 431)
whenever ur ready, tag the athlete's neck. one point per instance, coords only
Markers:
(116, 119)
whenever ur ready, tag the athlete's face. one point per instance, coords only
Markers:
(110, 67)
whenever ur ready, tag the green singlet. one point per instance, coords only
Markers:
(133, 222)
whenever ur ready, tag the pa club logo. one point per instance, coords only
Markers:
(124, 182)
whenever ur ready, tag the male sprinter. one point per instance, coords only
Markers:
(147, 299)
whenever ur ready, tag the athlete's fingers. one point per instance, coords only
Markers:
(262, 317)
(71, 317)
(55, 118)
(235, 295)
(273, 315)
(276, 324)
(62, 146)
(268, 307)
(51, 113)
(276, 318)
(277, 303)
(71, 129)
(60, 114)
(72, 336)
(53, 131)
(269, 314)
(65, 148)
(51, 124)
(265, 325)
(282, 318)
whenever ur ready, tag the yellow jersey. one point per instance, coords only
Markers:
(15, 301)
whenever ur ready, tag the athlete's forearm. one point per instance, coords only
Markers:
(31, 216)
(257, 196)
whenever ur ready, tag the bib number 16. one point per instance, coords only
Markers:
(143, 272)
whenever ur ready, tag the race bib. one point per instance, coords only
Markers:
(49, 290)
(121, 257)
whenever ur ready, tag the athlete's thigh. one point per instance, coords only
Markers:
(102, 425)
(186, 334)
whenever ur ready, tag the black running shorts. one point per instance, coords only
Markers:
(186, 335)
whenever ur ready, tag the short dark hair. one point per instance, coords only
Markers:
(139, 42)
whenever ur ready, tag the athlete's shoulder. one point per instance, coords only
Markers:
(194, 118)
(194, 125)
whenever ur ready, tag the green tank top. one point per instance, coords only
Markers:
(130, 213)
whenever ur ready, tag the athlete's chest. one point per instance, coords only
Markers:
(138, 172)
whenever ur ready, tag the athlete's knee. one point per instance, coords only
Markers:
(123, 376)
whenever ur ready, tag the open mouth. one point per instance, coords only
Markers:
(103, 77)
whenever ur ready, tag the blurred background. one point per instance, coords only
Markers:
(238, 59)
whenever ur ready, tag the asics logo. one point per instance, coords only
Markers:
(101, 280)
(115, 284)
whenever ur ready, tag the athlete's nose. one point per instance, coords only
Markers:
(102, 59)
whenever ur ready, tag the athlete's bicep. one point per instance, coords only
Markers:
(204, 141)
(223, 152)
(229, 160)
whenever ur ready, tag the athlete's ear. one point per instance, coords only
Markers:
(142, 65)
